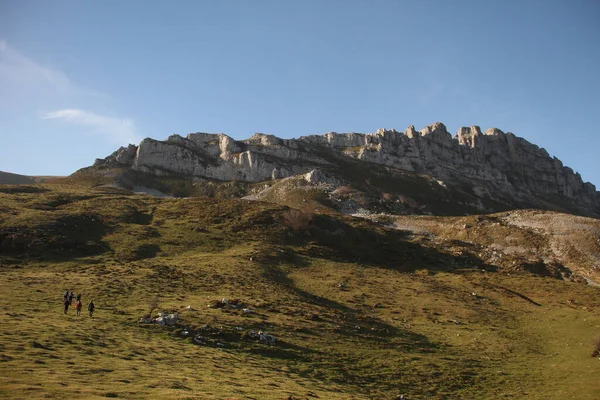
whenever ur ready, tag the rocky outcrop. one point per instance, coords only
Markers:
(491, 164)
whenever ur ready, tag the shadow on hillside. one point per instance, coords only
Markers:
(77, 235)
(14, 189)
(353, 328)
(69, 236)
(135, 216)
(377, 178)
(373, 245)
(137, 252)
(284, 350)
(354, 323)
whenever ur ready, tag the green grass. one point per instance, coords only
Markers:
(406, 320)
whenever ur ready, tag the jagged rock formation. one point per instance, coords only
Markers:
(490, 165)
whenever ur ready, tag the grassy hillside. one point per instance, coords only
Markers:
(16, 179)
(543, 242)
(359, 310)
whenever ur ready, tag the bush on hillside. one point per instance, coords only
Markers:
(362, 200)
(344, 191)
(298, 220)
(153, 304)
(408, 201)
(596, 350)
(388, 197)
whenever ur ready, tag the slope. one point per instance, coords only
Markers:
(16, 179)
(359, 310)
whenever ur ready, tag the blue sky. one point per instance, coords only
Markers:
(79, 79)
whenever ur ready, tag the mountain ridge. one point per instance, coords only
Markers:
(490, 166)
(9, 178)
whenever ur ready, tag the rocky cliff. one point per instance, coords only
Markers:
(490, 165)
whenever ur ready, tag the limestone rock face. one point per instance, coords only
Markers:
(123, 156)
(492, 164)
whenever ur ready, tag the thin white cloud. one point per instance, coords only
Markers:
(28, 86)
(37, 79)
(18, 69)
(120, 131)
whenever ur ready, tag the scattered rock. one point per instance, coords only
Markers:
(206, 327)
(199, 340)
(165, 319)
(314, 317)
(227, 304)
(261, 336)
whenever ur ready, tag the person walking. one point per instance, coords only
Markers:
(91, 308)
(66, 305)
(78, 305)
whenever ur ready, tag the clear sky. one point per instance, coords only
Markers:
(78, 79)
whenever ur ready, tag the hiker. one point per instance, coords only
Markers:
(70, 297)
(66, 295)
(79, 297)
(78, 305)
(91, 307)
(66, 303)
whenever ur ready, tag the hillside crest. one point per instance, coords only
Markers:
(490, 165)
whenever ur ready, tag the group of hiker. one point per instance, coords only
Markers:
(68, 300)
